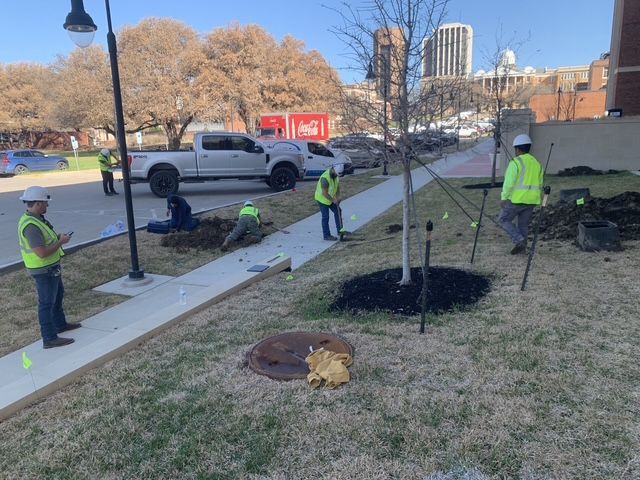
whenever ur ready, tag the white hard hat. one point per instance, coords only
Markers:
(338, 167)
(248, 203)
(522, 139)
(105, 151)
(35, 194)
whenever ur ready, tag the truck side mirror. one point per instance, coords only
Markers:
(258, 149)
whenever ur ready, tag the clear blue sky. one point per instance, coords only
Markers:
(559, 32)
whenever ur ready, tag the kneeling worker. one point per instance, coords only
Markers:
(180, 211)
(521, 192)
(248, 222)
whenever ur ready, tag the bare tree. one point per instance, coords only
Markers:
(389, 36)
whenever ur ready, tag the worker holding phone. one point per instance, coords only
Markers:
(41, 249)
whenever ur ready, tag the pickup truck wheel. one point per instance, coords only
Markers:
(282, 179)
(163, 182)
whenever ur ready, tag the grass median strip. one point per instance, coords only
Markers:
(534, 384)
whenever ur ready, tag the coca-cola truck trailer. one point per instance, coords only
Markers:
(310, 126)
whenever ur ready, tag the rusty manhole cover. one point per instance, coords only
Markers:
(282, 356)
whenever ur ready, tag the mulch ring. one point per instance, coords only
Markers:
(208, 236)
(447, 289)
(584, 170)
(560, 220)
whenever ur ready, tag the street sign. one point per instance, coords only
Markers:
(74, 142)
(139, 138)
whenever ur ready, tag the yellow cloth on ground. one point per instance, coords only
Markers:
(328, 366)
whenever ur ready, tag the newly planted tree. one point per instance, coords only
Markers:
(388, 37)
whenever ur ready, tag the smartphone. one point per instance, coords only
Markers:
(70, 233)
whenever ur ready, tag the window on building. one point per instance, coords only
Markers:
(605, 73)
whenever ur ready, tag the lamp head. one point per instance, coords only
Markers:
(80, 25)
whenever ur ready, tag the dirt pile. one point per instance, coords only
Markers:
(583, 170)
(561, 220)
(447, 288)
(208, 236)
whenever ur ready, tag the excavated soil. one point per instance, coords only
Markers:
(560, 220)
(447, 289)
(208, 236)
(583, 170)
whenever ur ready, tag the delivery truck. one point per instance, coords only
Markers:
(294, 126)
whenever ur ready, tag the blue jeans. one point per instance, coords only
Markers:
(324, 210)
(523, 213)
(50, 294)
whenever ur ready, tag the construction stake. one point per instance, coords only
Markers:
(475, 241)
(545, 198)
(425, 273)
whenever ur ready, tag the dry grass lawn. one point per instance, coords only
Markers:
(535, 385)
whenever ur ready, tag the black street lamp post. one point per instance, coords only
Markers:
(371, 75)
(558, 109)
(81, 30)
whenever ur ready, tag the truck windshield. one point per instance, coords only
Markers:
(267, 132)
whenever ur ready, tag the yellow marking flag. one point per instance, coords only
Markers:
(354, 217)
(289, 278)
(26, 361)
(580, 201)
(474, 224)
(445, 216)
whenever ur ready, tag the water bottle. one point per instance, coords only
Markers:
(183, 295)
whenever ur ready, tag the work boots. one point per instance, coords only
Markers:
(57, 342)
(225, 245)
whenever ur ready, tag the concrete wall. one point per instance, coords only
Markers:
(608, 143)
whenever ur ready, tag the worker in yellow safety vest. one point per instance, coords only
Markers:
(248, 222)
(106, 170)
(521, 192)
(41, 249)
(328, 198)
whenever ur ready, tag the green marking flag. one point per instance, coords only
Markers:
(580, 201)
(281, 254)
(289, 278)
(354, 217)
(445, 216)
(26, 361)
(474, 224)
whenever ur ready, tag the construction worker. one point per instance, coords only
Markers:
(248, 222)
(180, 211)
(521, 192)
(41, 249)
(328, 198)
(106, 170)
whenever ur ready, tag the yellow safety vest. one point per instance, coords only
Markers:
(105, 164)
(30, 258)
(333, 187)
(529, 183)
(254, 212)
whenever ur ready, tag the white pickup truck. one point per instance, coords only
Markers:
(216, 155)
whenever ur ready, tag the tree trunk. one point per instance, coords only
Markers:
(406, 224)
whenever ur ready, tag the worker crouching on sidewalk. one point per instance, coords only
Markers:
(328, 198)
(521, 192)
(248, 222)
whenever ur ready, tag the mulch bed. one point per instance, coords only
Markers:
(447, 289)
(583, 170)
(561, 220)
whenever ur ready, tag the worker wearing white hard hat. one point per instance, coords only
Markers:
(41, 249)
(248, 224)
(106, 170)
(521, 193)
(327, 197)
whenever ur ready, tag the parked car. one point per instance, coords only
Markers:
(317, 156)
(364, 151)
(24, 161)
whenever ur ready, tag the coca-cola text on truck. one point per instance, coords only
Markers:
(309, 126)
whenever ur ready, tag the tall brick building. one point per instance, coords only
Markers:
(623, 90)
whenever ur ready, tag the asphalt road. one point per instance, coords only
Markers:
(79, 205)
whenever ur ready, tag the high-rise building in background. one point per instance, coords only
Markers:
(624, 69)
(449, 52)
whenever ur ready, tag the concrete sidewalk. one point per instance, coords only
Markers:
(155, 306)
